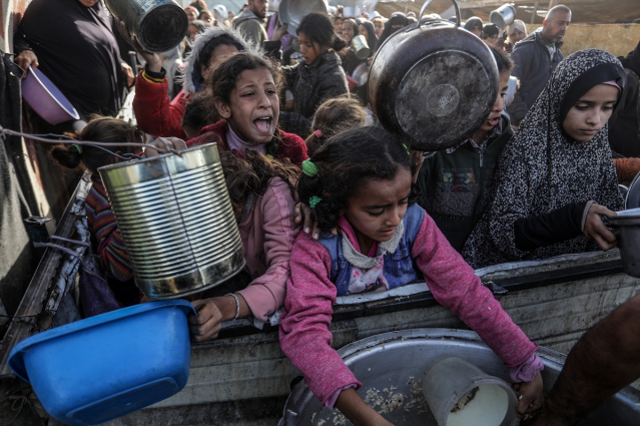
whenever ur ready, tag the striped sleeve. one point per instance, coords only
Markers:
(111, 250)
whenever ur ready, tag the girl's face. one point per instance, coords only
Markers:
(192, 15)
(363, 31)
(219, 53)
(379, 27)
(516, 35)
(254, 107)
(377, 209)
(310, 50)
(347, 32)
(338, 25)
(589, 115)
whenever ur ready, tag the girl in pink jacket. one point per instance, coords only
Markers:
(360, 182)
(262, 195)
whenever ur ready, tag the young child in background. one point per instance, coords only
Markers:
(456, 182)
(262, 194)
(198, 114)
(245, 91)
(102, 223)
(319, 77)
(332, 117)
(361, 182)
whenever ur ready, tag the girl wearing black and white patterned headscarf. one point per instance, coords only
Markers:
(549, 184)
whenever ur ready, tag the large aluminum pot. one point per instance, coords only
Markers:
(291, 12)
(434, 83)
(159, 25)
(176, 221)
(392, 366)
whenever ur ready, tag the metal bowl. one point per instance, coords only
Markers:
(391, 367)
(46, 99)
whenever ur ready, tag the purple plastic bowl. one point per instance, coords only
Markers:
(46, 99)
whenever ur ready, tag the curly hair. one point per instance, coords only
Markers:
(348, 161)
(251, 175)
(222, 80)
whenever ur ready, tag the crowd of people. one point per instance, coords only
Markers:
(327, 202)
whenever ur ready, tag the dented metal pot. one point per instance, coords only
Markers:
(159, 25)
(433, 83)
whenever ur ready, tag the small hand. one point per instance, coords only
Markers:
(26, 58)
(129, 73)
(595, 229)
(302, 214)
(207, 323)
(154, 60)
(280, 31)
(530, 394)
(165, 145)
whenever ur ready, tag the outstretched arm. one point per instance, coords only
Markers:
(604, 361)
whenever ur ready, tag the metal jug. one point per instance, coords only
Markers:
(433, 83)
(360, 46)
(503, 16)
(159, 25)
(176, 221)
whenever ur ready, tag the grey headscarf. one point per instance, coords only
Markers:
(541, 170)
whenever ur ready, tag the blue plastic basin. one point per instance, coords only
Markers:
(91, 371)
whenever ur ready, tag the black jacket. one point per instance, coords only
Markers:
(533, 67)
(311, 86)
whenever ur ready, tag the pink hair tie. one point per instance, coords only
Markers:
(612, 83)
(317, 133)
(191, 8)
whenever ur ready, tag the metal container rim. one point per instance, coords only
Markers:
(158, 158)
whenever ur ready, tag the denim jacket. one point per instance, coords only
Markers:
(398, 266)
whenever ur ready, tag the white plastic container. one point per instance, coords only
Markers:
(461, 394)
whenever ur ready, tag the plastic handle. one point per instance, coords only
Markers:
(428, 2)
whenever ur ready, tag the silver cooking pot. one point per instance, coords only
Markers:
(176, 221)
(159, 25)
(392, 368)
(433, 83)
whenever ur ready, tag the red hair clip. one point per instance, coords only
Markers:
(317, 133)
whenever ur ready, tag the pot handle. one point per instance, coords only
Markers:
(428, 2)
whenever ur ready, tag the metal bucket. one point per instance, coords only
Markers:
(361, 47)
(503, 16)
(392, 368)
(159, 25)
(176, 221)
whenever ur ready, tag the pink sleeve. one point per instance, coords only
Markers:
(304, 326)
(265, 294)
(455, 286)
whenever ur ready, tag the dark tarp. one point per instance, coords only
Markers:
(17, 257)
